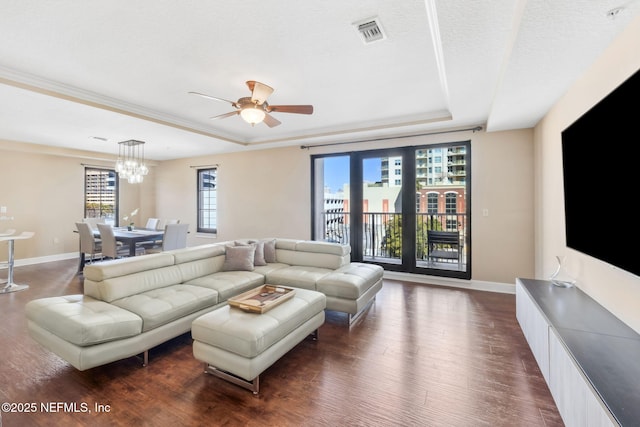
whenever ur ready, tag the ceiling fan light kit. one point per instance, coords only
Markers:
(252, 115)
(255, 109)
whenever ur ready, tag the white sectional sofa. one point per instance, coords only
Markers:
(134, 304)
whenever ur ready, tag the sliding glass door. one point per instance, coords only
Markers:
(406, 209)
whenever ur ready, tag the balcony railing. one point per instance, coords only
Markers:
(382, 234)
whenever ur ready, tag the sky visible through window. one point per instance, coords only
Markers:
(336, 171)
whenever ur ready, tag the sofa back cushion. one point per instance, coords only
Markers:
(194, 253)
(121, 267)
(312, 254)
(132, 284)
(199, 261)
(116, 279)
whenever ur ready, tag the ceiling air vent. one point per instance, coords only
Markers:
(370, 30)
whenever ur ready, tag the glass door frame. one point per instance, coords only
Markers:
(408, 261)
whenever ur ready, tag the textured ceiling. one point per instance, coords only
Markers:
(73, 70)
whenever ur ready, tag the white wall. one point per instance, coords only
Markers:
(616, 290)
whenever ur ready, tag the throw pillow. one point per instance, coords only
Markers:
(239, 258)
(259, 256)
(270, 250)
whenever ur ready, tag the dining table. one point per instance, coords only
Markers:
(131, 237)
(136, 235)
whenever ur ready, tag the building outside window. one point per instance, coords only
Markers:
(207, 201)
(101, 194)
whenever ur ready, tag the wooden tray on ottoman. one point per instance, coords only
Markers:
(262, 299)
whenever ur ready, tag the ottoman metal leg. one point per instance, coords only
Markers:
(253, 385)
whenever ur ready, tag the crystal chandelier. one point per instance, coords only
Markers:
(130, 163)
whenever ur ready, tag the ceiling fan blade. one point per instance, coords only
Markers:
(222, 116)
(297, 109)
(270, 121)
(259, 91)
(215, 98)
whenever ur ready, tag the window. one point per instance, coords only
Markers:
(451, 203)
(432, 203)
(451, 208)
(101, 194)
(207, 201)
(377, 220)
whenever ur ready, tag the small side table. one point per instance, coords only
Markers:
(11, 286)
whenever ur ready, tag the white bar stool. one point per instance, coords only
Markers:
(4, 233)
(10, 286)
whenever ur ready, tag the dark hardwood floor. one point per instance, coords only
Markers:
(421, 356)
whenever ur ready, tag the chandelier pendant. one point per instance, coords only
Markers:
(130, 164)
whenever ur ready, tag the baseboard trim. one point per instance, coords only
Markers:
(477, 285)
(40, 260)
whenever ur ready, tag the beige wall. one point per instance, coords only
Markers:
(43, 190)
(267, 193)
(618, 291)
(260, 193)
(263, 193)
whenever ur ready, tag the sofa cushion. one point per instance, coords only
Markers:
(160, 306)
(296, 276)
(229, 283)
(239, 258)
(82, 320)
(266, 269)
(350, 281)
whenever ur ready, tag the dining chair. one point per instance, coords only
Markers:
(88, 243)
(152, 223)
(163, 222)
(93, 222)
(175, 237)
(112, 248)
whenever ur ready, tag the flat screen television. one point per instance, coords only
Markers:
(601, 172)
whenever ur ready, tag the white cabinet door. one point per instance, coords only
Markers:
(576, 400)
(565, 384)
(535, 328)
(597, 414)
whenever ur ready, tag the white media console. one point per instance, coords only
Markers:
(589, 358)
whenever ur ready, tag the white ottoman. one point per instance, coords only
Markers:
(238, 346)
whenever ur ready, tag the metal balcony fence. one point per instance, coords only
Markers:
(382, 235)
